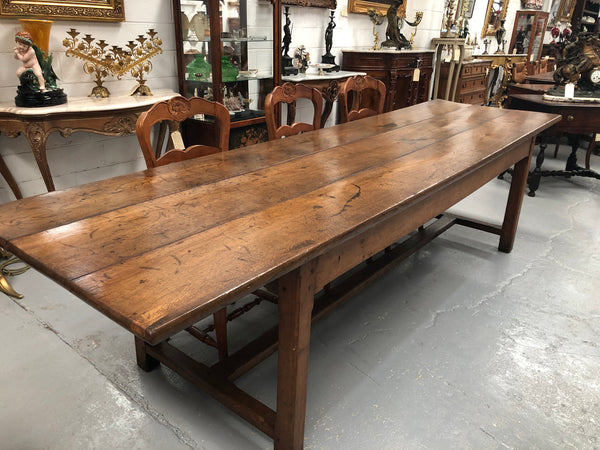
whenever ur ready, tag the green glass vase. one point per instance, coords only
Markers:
(228, 71)
(198, 69)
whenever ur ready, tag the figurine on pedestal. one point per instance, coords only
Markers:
(394, 38)
(286, 60)
(328, 58)
(37, 79)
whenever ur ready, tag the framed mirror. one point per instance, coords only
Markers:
(496, 11)
(96, 10)
(561, 11)
(465, 6)
(380, 6)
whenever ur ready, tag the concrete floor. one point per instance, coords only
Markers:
(459, 347)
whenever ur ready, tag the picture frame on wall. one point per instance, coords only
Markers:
(380, 7)
(92, 10)
(329, 4)
(467, 6)
(561, 11)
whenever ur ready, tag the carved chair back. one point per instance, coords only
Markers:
(361, 96)
(169, 114)
(289, 93)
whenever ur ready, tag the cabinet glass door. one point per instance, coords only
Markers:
(230, 59)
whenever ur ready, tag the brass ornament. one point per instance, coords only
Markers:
(101, 59)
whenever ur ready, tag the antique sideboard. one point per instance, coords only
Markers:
(405, 73)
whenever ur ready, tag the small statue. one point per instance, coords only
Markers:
(286, 60)
(328, 58)
(394, 38)
(37, 79)
(287, 32)
(329, 35)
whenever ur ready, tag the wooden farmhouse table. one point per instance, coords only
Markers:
(158, 250)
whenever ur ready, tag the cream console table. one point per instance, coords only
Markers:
(113, 116)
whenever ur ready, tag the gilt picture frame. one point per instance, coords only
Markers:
(380, 6)
(496, 13)
(468, 6)
(329, 4)
(90, 10)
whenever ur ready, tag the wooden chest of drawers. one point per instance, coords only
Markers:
(472, 83)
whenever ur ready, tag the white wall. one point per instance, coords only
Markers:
(85, 157)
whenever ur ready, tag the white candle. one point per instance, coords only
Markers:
(569, 90)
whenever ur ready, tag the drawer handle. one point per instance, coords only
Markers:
(570, 118)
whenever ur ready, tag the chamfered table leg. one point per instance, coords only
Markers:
(296, 298)
(515, 200)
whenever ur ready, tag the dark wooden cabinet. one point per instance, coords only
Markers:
(406, 74)
(472, 82)
(226, 52)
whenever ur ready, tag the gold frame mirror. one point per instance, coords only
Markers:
(561, 11)
(496, 11)
(96, 10)
(381, 7)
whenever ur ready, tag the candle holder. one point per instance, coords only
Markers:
(137, 60)
(102, 59)
(97, 60)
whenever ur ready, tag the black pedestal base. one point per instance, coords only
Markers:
(286, 66)
(330, 59)
(35, 99)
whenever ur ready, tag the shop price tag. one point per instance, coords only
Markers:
(416, 74)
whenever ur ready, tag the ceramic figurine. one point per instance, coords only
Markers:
(25, 53)
(37, 79)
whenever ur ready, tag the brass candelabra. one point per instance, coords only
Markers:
(101, 59)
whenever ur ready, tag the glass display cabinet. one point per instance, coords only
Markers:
(528, 36)
(225, 52)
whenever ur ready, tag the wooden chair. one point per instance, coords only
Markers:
(169, 114)
(519, 72)
(361, 96)
(289, 93)
(542, 65)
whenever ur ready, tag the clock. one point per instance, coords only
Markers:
(594, 76)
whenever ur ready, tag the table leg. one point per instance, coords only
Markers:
(515, 200)
(572, 159)
(144, 360)
(9, 179)
(296, 297)
(37, 136)
(534, 178)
